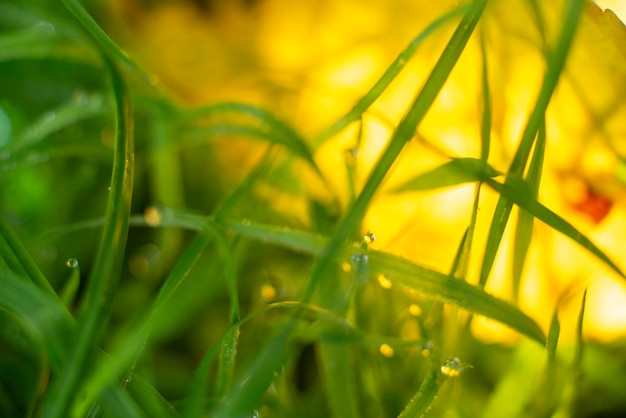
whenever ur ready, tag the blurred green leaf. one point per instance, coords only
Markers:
(452, 173)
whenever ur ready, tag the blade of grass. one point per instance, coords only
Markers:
(38, 44)
(14, 251)
(455, 172)
(485, 127)
(556, 62)
(149, 399)
(517, 191)
(267, 126)
(44, 313)
(68, 114)
(340, 386)
(93, 317)
(385, 80)
(524, 227)
(98, 34)
(425, 396)
(404, 272)
(548, 391)
(401, 136)
(122, 364)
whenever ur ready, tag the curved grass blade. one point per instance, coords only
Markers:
(556, 62)
(456, 292)
(516, 190)
(455, 172)
(109, 259)
(38, 44)
(401, 271)
(134, 341)
(65, 115)
(266, 126)
(385, 80)
(98, 34)
(401, 136)
(45, 314)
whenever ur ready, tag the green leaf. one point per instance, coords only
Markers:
(525, 221)
(385, 80)
(452, 173)
(404, 132)
(94, 315)
(517, 191)
(17, 257)
(261, 124)
(556, 62)
(404, 272)
(38, 44)
(425, 396)
(53, 121)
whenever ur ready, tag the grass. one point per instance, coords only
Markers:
(134, 285)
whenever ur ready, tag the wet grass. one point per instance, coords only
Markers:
(231, 302)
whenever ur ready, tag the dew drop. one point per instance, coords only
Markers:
(453, 367)
(360, 267)
(384, 282)
(360, 259)
(71, 263)
(369, 237)
(44, 27)
(386, 350)
(152, 216)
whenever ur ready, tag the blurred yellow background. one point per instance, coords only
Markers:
(310, 61)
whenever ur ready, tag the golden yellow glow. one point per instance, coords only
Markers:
(386, 350)
(415, 310)
(311, 63)
(384, 282)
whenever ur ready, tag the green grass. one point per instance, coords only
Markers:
(89, 143)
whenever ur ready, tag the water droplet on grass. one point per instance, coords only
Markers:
(44, 27)
(71, 263)
(453, 367)
(360, 267)
(369, 237)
